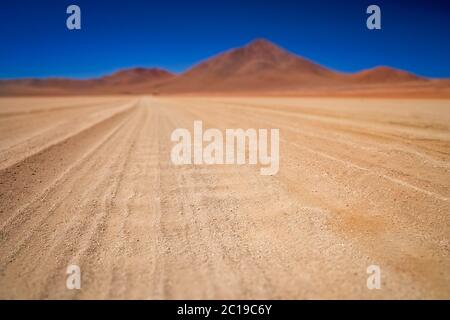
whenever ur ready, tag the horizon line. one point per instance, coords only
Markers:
(102, 74)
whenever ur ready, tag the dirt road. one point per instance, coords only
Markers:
(89, 181)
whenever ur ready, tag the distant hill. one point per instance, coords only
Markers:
(135, 80)
(385, 75)
(259, 67)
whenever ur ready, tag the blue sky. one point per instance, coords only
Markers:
(175, 34)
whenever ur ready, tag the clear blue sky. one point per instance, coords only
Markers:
(175, 35)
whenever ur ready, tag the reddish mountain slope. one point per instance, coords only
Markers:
(136, 80)
(260, 67)
(385, 75)
(137, 76)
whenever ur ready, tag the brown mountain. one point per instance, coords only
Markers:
(263, 67)
(259, 67)
(134, 80)
(137, 76)
(385, 75)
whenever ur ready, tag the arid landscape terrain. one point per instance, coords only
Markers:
(89, 181)
(86, 179)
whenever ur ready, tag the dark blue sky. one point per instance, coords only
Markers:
(177, 34)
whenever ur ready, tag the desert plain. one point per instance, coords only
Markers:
(89, 181)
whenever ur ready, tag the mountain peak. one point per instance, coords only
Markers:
(258, 65)
(262, 43)
(263, 47)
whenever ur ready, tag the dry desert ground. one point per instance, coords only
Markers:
(89, 181)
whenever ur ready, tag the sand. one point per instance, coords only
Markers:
(89, 181)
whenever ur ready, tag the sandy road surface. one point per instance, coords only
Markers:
(89, 181)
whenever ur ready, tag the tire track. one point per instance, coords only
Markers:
(111, 201)
(347, 163)
(48, 220)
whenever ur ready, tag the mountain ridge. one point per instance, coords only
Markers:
(257, 67)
